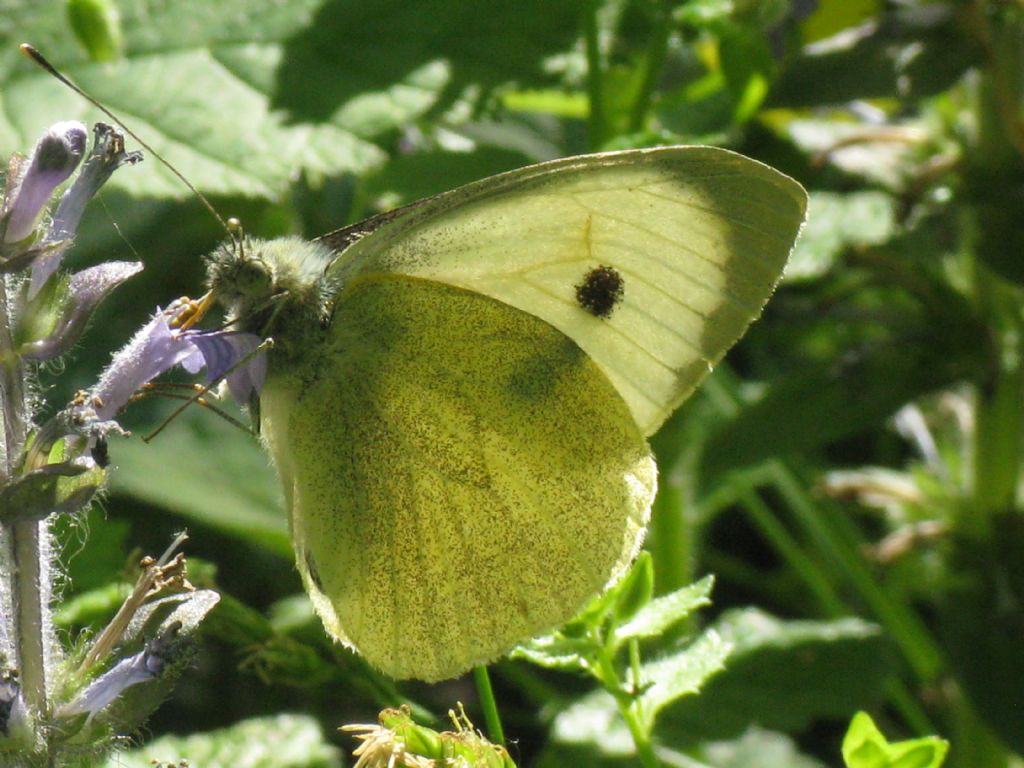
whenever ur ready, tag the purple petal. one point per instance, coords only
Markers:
(233, 351)
(86, 289)
(107, 155)
(154, 349)
(108, 687)
(54, 159)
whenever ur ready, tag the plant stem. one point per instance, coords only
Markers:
(777, 535)
(671, 539)
(595, 79)
(25, 539)
(837, 540)
(998, 408)
(489, 705)
(12, 387)
(629, 709)
(652, 65)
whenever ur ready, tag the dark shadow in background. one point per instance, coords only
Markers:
(352, 49)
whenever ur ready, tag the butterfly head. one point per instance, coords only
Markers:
(274, 288)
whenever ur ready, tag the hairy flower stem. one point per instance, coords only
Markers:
(23, 539)
(28, 574)
(12, 386)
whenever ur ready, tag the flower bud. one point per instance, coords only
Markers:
(107, 155)
(54, 159)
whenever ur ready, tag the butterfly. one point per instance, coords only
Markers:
(460, 392)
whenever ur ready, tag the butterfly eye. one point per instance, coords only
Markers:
(253, 278)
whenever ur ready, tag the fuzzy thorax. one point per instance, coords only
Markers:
(274, 288)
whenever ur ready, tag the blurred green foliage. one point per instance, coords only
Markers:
(851, 475)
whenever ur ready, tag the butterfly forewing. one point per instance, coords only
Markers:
(697, 237)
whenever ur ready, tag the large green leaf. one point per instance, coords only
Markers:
(207, 471)
(756, 748)
(283, 741)
(836, 222)
(242, 96)
(784, 675)
(195, 82)
(335, 67)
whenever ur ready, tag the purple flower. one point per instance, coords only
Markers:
(158, 346)
(231, 354)
(54, 159)
(107, 155)
(145, 665)
(85, 290)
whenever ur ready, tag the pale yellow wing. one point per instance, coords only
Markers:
(697, 236)
(460, 475)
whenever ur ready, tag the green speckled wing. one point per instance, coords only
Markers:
(699, 236)
(460, 475)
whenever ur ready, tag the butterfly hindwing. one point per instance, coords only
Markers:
(461, 476)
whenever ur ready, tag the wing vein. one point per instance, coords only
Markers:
(724, 216)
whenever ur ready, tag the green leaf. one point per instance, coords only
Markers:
(633, 592)
(460, 43)
(864, 746)
(748, 68)
(837, 222)
(421, 174)
(91, 607)
(594, 718)
(188, 67)
(756, 748)
(919, 51)
(55, 488)
(832, 16)
(575, 645)
(284, 741)
(704, 13)
(663, 612)
(556, 651)
(97, 25)
(682, 673)
(784, 675)
(207, 471)
(827, 400)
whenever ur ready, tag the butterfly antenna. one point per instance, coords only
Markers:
(234, 231)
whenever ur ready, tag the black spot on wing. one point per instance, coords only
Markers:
(601, 291)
